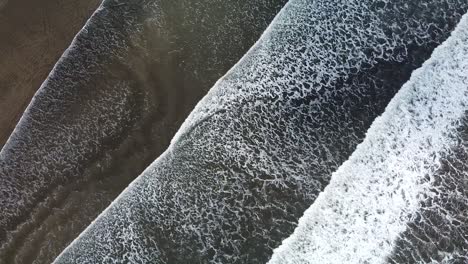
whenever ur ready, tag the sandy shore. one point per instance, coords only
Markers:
(33, 35)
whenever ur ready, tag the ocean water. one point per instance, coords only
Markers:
(109, 108)
(257, 150)
(402, 196)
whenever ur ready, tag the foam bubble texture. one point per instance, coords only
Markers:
(260, 147)
(401, 196)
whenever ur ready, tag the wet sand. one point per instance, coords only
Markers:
(110, 107)
(33, 35)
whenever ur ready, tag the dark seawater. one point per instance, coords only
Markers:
(260, 147)
(109, 108)
(402, 196)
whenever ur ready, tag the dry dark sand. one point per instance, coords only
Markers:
(110, 108)
(33, 35)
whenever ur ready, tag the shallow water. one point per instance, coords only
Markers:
(109, 108)
(260, 147)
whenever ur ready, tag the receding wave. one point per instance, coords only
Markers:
(109, 108)
(402, 196)
(260, 147)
